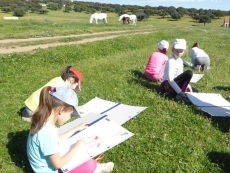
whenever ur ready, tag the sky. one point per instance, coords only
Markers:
(198, 4)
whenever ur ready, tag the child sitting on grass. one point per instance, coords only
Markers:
(70, 77)
(56, 105)
(175, 81)
(156, 64)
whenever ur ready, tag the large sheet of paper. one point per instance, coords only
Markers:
(213, 104)
(89, 118)
(99, 137)
(118, 112)
(196, 78)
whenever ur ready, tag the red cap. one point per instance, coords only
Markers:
(79, 76)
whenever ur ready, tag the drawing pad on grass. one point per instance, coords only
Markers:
(196, 78)
(101, 136)
(118, 112)
(211, 103)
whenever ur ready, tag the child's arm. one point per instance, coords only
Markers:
(69, 133)
(58, 162)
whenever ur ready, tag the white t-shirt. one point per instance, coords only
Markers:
(196, 52)
(174, 67)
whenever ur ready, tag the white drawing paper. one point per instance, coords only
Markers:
(118, 112)
(196, 78)
(89, 118)
(213, 104)
(99, 137)
(98, 105)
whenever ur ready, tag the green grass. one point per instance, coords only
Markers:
(169, 136)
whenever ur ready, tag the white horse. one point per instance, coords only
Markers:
(98, 16)
(132, 17)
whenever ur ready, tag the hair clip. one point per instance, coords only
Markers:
(52, 89)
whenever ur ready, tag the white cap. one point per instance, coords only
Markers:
(163, 45)
(179, 44)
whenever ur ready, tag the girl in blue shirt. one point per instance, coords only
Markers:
(56, 105)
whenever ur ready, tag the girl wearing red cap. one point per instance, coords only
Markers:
(70, 77)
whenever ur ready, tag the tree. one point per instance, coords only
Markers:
(20, 11)
(52, 6)
(35, 7)
(162, 13)
(134, 10)
(43, 11)
(148, 10)
(67, 8)
(182, 11)
(171, 10)
(218, 13)
(175, 15)
(196, 17)
(141, 16)
(77, 8)
(7, 9)
(204, 19)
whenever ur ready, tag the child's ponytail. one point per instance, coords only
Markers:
(43, 112)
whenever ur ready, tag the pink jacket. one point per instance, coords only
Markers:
(156, 64)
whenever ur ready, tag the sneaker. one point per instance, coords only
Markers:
(25, 116)
(185, 99)
(198, 68)
(104, 167)
(28, 119)
(205, 68)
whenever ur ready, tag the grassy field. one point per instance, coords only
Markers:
(169, 135)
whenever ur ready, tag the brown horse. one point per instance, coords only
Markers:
(126, 20)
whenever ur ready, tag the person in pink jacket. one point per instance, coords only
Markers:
(154, 70)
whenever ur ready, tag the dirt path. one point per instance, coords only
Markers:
(31, 44)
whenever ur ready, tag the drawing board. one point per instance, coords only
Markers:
(118, 112)
(99, 137)
(213, 104)
(196, 78)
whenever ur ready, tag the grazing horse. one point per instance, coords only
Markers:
(126, 20)
(132, 17)
(98, 16)
(121, 17)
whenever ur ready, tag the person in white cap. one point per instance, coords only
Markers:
(175, 81)
(70, 77)
(56, 106)
(155, 67)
